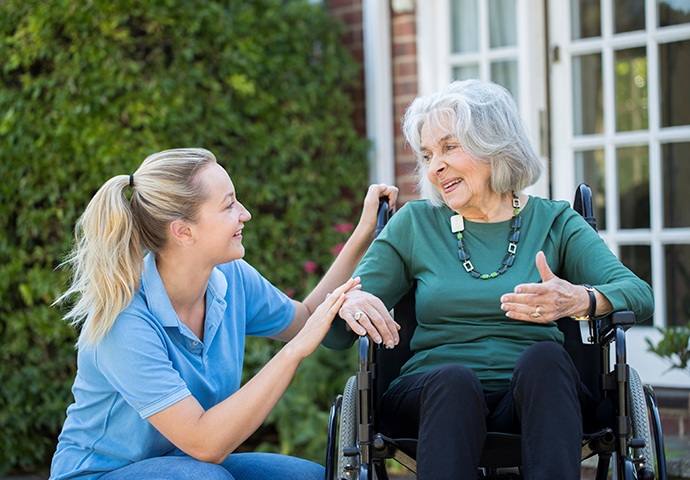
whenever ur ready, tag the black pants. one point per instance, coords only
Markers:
(447, 410)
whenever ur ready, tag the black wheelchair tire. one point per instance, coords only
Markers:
(640, 420)
(347, 433)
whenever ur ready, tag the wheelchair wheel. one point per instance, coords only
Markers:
(347, 434)
(640, 420)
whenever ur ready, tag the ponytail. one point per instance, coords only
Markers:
(113, 232)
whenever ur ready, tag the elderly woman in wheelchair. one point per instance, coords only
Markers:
(492, 269)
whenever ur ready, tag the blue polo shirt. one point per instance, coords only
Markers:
(150, 360)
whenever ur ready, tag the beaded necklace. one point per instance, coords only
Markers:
(457, 226)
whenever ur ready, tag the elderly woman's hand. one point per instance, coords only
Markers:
(549, 300)
(367, 315)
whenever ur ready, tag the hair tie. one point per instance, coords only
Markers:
(131, 180)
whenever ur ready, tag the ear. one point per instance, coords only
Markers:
(181, 233)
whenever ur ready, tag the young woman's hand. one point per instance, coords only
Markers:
(371, 204)
(319, 322)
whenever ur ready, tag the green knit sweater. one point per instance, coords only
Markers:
(459, 318)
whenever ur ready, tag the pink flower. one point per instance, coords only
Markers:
(336, 250)
(343, 227)
(310, 266)
(290, 293)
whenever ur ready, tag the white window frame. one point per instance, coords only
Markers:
(564, 145)
(434, 63)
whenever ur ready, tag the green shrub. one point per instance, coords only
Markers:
(87, 90)
(673, 347)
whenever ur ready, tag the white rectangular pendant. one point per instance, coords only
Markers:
(457, 224)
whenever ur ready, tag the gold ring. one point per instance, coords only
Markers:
(358, 315)
(536, 313)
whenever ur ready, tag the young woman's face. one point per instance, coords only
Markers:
(462, 181)
(218, 229)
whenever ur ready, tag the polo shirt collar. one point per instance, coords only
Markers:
(161, 308)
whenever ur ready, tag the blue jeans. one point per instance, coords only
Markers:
(238, 466)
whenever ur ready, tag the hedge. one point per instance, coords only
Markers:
(87, 91)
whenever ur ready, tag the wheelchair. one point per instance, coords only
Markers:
(626, 437)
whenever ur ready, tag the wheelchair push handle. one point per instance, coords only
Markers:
(383, 215)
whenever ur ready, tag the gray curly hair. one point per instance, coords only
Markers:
(484, 118)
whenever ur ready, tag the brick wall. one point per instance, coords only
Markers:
(404, 88)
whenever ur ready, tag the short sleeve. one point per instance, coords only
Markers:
(134, 359)
(268, 310)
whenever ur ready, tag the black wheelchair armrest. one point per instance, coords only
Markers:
(607, 325)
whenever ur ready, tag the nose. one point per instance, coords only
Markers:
(245, 216)
(436, 165)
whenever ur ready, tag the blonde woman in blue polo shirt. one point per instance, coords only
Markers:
(157, 392)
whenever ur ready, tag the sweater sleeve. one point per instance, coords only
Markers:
(587, 259)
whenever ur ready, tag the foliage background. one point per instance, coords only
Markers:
(87, 90)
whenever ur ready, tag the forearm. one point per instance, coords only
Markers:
(243, 412)
(343, 266)
(214, 434)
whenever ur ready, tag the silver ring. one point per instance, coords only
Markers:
(358, 315)
(536, 313)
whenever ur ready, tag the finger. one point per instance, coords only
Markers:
(543, 267)
(384, 324)
(371, 330)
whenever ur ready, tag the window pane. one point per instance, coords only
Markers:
(588, 111)
(464, 25)
(677, 259)
(465, 72)
(628, 16)
(638, 258)
(674, 74)
(675, 163)
(502, 23)
(673, 12)
(589, 168)
(631, 90)
(633, 187)
(505, 73)
(585, 18)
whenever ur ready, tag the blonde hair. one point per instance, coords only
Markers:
(485, 119)
(114, 231)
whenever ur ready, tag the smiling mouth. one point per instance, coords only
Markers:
(238, 234)
(448, 185)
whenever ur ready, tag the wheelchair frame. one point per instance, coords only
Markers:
(365, 455)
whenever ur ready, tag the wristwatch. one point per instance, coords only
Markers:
(592, 305)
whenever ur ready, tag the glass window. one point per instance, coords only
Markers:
(464, 26)
(675, 164)
(628, 16)
(588, 111)
(589, 169)
(505, 73)
(674, 76)
(673, 12)
(502, 24)
(585, 18)
(638, 258)
(465, 72)
(632, 112)
(677, 288)
(633, 186)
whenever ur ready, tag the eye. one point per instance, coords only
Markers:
(426, 157)
(451, 146)
(230, 205)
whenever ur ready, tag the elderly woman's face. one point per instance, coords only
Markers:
(462, 181)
